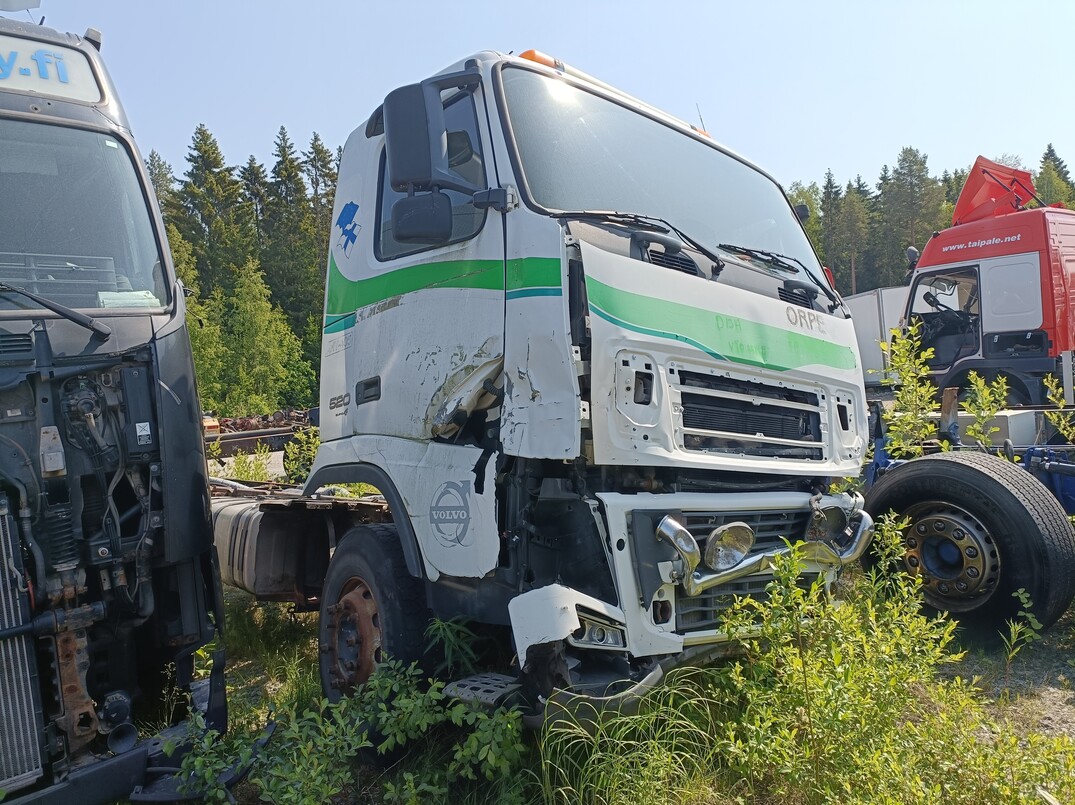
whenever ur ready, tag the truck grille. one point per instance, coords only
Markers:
(723, 415)
(771, 528)
(702, 612)
(20, 755)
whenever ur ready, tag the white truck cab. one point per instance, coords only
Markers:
(593, 364)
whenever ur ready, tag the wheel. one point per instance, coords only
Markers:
(371, 608)
(980, 529)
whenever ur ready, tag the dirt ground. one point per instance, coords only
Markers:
(1037, 692)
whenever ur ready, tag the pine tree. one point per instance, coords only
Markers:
(290, 257)
(161, 177)
(209, 211)
(1051, 188)
(1050, 157)
(830, 209)
(851, 236)
(255, 183)
(911, 210)
(320, 168)
(203, 324)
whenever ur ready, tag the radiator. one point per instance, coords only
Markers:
(20, 745)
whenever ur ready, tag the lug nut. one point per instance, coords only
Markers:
(912, 561)
(921, 528)
(912, 542)
(959, 533)
(972, 572)
(939, 525)
(961, 586)
(972, 552)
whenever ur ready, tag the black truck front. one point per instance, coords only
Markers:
(108, 582)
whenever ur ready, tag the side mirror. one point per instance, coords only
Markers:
(420, 149)
(407, 129)
(423, 219)
(802, 212)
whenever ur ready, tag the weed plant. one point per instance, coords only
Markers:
(907, 422)
(983, 401)
(299, 454)
(830, 703)
(1062, 418)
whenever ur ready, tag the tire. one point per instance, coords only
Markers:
(371, 608)
(981, 528)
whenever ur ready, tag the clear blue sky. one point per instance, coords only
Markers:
(799, 87)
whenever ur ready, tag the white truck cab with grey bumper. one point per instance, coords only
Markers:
(591, 361)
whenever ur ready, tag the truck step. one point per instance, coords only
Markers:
(488, 690)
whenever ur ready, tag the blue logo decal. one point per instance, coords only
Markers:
(42, 58)
(348, 226)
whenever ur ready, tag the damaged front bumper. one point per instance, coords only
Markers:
(841, 547)
(838, 534)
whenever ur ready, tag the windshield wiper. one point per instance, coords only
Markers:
(770, 258)
(651, 222)
(785, 262)
(81, 319)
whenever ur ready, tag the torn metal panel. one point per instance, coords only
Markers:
(550, 613)
(541, 416)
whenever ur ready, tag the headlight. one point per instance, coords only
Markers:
(728, 545)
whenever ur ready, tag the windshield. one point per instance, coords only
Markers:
(579, 151)
(74, 225)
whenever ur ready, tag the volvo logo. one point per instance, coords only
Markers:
(449, 513)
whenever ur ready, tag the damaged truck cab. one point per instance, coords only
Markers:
(107, 577)
(591, 361)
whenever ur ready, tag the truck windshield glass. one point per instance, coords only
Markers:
(580, 151)
(74, 224)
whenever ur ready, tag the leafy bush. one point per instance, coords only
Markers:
(907, 422)
(830, 703)
(982, 401)
(450, 746)
(299, 454)
(1061, 419)
(251, 466)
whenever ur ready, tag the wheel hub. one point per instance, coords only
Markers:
(354, 644)
(953, 554)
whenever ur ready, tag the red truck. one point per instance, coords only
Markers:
(996, 291)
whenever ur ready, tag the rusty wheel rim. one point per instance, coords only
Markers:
(354, 643)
